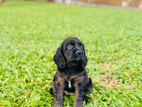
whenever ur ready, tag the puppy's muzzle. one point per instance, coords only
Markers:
(78, 53)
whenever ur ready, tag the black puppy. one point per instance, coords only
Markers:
(71, 77)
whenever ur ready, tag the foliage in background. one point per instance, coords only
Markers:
(27, 0)
(31, 32)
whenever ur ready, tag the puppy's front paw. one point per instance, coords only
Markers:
(86, 99)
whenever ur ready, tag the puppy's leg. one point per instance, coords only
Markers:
(78, 95)
(58, 98)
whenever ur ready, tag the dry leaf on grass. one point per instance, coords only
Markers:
(111, 84)
(106, 66)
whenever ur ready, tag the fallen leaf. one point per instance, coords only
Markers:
(111, 84)
(106, 66)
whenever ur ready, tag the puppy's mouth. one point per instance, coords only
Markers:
(75, 62)
(76, 59)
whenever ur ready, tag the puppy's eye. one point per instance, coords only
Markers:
(69, 46)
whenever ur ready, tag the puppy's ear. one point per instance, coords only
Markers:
(59, 59)
(85, 60)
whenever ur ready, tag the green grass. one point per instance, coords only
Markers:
(30, 33)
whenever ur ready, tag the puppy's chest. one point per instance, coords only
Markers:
(71, 77)
(69, 81)
(69, 84)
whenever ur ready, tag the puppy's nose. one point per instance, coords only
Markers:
(78, 52)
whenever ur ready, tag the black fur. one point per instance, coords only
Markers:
(71, 77)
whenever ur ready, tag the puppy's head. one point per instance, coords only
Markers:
(71, 53)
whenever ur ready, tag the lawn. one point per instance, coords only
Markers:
(30, 33)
